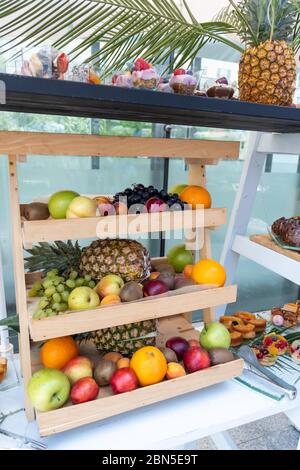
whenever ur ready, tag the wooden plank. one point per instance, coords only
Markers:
(107, 405)
(174, 302)
(38, 143)
(119, 225)
(19, 276)
(267, 241)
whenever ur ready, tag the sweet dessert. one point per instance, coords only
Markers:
(236, 338)
(46, 63)
(275, 344)
(248, 331)
(263, 355)
(86, 74)
(288, 230)
(230, 321)
(122, 79)
(293, 307)
(221, 89)
(144, 75)
(245, 316)
(259, 324)
(183, 82)
(164, 86)
(290, 317)
(295, 350)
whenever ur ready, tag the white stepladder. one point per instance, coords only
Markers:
(237, 243)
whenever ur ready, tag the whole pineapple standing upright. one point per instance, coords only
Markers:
(267, 72)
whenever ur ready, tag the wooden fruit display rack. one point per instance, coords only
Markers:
(173, 310)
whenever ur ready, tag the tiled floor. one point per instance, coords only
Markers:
(272, 433)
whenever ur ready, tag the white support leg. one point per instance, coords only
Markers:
(241, 212)
(223, 441)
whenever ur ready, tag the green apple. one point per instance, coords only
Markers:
(110, 284)
(48, 389)
(81, 206)
(179, 257)
(59, 203)
(83, 298)
(214, 335)
(177, 189)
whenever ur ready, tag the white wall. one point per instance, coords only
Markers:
(205, 10)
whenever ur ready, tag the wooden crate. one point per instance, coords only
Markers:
(173, 310)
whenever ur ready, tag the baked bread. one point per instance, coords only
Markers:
(236, 338)
(259, 324)
(230, 321)
(248, 331)
(245, 316)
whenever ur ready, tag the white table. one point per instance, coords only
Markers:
(176, 423)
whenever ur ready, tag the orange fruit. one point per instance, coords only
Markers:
(196, 195)
(209, 271)
(187, 272)
(124, 362)
(56, 352)
(110, 299)
(149, 364)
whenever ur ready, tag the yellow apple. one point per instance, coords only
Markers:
(81, 206)
(110, 284)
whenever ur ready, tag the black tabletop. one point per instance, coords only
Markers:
(37, 95)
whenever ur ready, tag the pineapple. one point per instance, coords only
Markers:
(267, 72)
(127, 258)
(125, 339)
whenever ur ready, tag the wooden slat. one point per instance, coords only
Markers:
(106, 405)
(266, 240)
(174, 302)
(37, 143)
(120, 225)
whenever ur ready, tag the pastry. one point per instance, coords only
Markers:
(229, 321)
(144, 75)
(123, 80)
(248, 331)
(245, 316)
(295, 350)
(183, 82)
(236, 338)
(46, 63)
(290, 318)
(275, 344)
(164, 86)
(220, 89)
(288, 230)
(263, 356)
(293, 307)
(259, 324)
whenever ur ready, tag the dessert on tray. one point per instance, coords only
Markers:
(243, 326)
(289, 315)
(144, 75)
(122, 79)
(183, 82)
(220, 89)
(288, 230)
(46, 63)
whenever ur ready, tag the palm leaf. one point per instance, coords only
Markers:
(155, 29)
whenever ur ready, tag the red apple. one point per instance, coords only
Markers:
(124, 380)
(154, 287)
(85, 389)
(194, 343)
(77, 368)
(154, 204)
(178, 345)
(196, 358)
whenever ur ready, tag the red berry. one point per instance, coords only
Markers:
(268, 341)
(179, 72)
(114, 78)
(141, 64)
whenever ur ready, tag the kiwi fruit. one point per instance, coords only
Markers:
(183, 282)
(168, 279)
(220, 356)
(104, 371)
(36, 211)
(131, 291)
(162, 267)
(169, 354)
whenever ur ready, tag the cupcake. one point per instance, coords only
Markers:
(164, 86)
(122, 79)
(221, 89)
(144, 75)
(183, 81)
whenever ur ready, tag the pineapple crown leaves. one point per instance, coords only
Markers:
(257, 21)
(64, 256)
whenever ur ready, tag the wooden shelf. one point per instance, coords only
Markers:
(266, 253)
(37, 95)
(107, 405)
(172, 303)
(119, 225)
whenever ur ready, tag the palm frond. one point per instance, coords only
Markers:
(126, 29)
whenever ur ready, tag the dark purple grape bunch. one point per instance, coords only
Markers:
(140, 194)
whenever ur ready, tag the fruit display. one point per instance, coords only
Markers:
(183, 82)
(45, 63)
(36, 211)
(243, 326)
(288, 230)
(214, 335)
(81, 206)
(208, 271)
(59, 202)
(179, 257)
(175, 370)
(77, 368)
(178, 345)
(48, 389)
(83, 298)
(85, 389)
(104, 371)
(110, 284)
(196, 197)
(124, 380)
